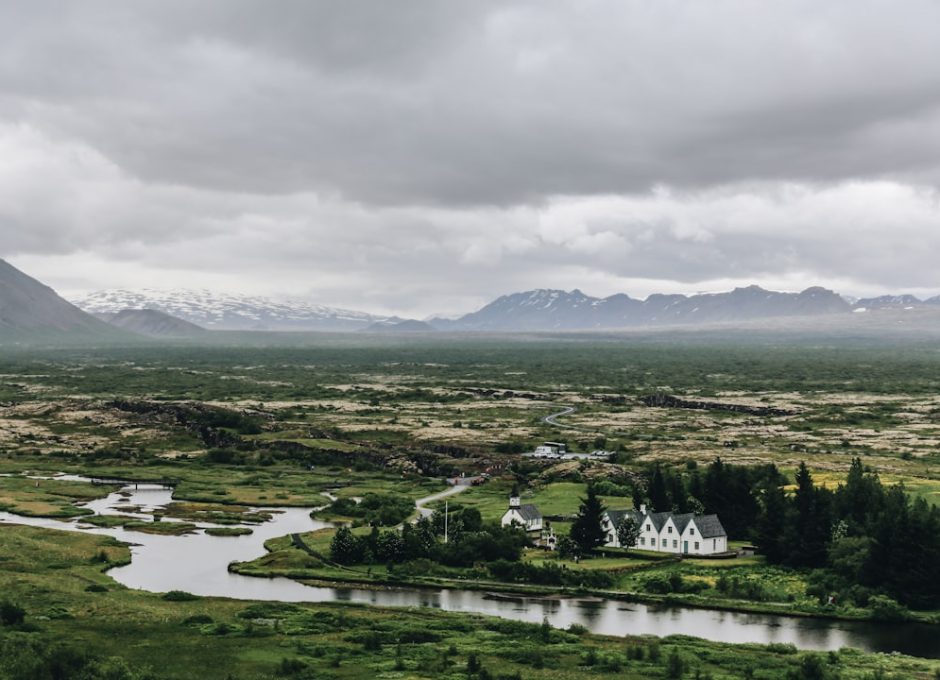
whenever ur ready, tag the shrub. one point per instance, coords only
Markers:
(197, 620)
(289, 667)
(179, 596)
(883, 608)
(11, 614)
(96, 588)
(675, 667)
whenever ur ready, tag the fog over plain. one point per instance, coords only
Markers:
(424, 157)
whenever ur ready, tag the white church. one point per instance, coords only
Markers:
(685, 534)
(525, 517)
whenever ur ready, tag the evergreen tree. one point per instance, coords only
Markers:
(678, 496)
(716, 490)
(772, 523)
(811, 528)
(659, 497)
(860, 499)
(587, 531)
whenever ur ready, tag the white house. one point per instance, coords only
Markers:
(527, 516)
(686, 534)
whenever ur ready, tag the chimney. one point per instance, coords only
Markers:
(642, 508)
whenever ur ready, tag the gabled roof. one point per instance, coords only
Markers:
(659, 519)
(709, 526)
(682, 521)
(617, 516)
(529, 512)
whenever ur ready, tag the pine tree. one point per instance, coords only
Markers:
(811, 529)
(774, 518)
(587, 531)
(659, 497)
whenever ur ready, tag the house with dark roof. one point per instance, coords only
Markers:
(686, 533)
(525, 516)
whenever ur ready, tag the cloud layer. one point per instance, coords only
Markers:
(421, 157)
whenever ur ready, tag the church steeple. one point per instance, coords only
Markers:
(514, 500)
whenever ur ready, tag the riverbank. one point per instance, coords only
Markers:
(61, 581)
(332, 575)
(306, 561)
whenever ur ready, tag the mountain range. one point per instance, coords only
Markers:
(558, 310)
(534, 310)
(226, 311)
(31, 311)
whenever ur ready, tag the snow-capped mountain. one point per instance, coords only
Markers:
(560, 310)
(889, 302)
(225, 311)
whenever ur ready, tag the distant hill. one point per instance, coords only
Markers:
(891, 302)
(32, 312)
(555, 310)
(224, 311)
(153, 323)
(406, 326)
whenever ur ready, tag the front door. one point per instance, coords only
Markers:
(685, 546)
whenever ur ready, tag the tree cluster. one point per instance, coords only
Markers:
(730, 491)
(469, 542)
(374, 509)
(868, 540)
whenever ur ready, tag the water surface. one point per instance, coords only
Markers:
(198, 563)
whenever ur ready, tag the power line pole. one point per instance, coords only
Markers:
(445, 521)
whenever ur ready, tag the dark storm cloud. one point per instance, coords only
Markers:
(412, 151)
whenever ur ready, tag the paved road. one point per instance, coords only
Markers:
(422, 502)
(567, 411)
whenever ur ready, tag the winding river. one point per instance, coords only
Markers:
(198, 563)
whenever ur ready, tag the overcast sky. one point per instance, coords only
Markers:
(425, 156)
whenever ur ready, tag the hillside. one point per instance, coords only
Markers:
(32, 312)
(153, 323)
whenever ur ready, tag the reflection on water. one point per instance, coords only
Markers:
(198, 563)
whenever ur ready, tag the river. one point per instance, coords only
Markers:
(198, 563)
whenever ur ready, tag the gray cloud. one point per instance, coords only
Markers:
(419, 155)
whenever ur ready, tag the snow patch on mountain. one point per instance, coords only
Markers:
(228, 311)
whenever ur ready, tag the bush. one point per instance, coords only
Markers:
(179, 596)
(96, 588)
(883, 608)
(11, 614)
(197, 620)
(289, 667)
(675, 666)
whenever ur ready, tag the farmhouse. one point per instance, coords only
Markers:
(686, 534)
(527, 516)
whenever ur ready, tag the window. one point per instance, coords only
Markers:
(696, 545)
(691, 531)
(647, 527)
(669, 530)
(642, 541)
(652, 541)
(675, 543)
